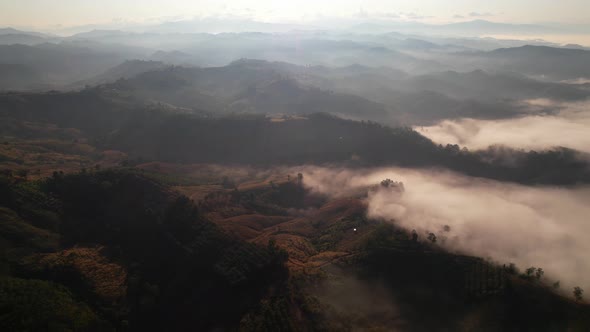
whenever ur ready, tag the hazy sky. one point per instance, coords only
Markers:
(50, 13)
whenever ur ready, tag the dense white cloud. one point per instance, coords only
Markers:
(568, 128)
(545, 227)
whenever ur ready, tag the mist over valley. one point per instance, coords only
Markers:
(268, 166)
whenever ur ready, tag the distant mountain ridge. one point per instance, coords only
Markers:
(552, 62)
(12, 31)
(128, 69)
(357, 92)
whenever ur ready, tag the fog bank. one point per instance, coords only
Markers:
(545, 227)
(569, 127)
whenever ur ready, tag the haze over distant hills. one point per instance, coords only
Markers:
(363, 173)
(465, 27)
(65, 60)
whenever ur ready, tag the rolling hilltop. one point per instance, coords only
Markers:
(111, 120)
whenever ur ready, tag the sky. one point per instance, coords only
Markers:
(65, 13)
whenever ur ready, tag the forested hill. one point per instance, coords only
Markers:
(128, 249)
(157, 132)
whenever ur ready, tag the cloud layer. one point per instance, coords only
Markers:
(545, 227)
(568, 128)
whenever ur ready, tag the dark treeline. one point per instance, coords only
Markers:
(112, 121)
(453, 285)
(323, 138)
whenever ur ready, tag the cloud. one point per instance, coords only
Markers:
(476, 14)
(581, 80)
(569, 127)
(545, 227)
(365, 14)
(414, 16)
(390, 15)
(362, 13)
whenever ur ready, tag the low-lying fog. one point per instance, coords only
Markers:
(568, 126)
(547, 227)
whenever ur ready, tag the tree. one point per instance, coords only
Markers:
(511, 269)
(432, 237)
(578, 293)
(35, 305)
(539, 273)
(556, 284)
(6, 172)
(414, 236)
(530, 271)
(23, 173)
(386, 183)
(390, 184)
(180, 216)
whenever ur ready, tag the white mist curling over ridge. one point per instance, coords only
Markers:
(570, 128)
(547, 227)
(577, 81)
